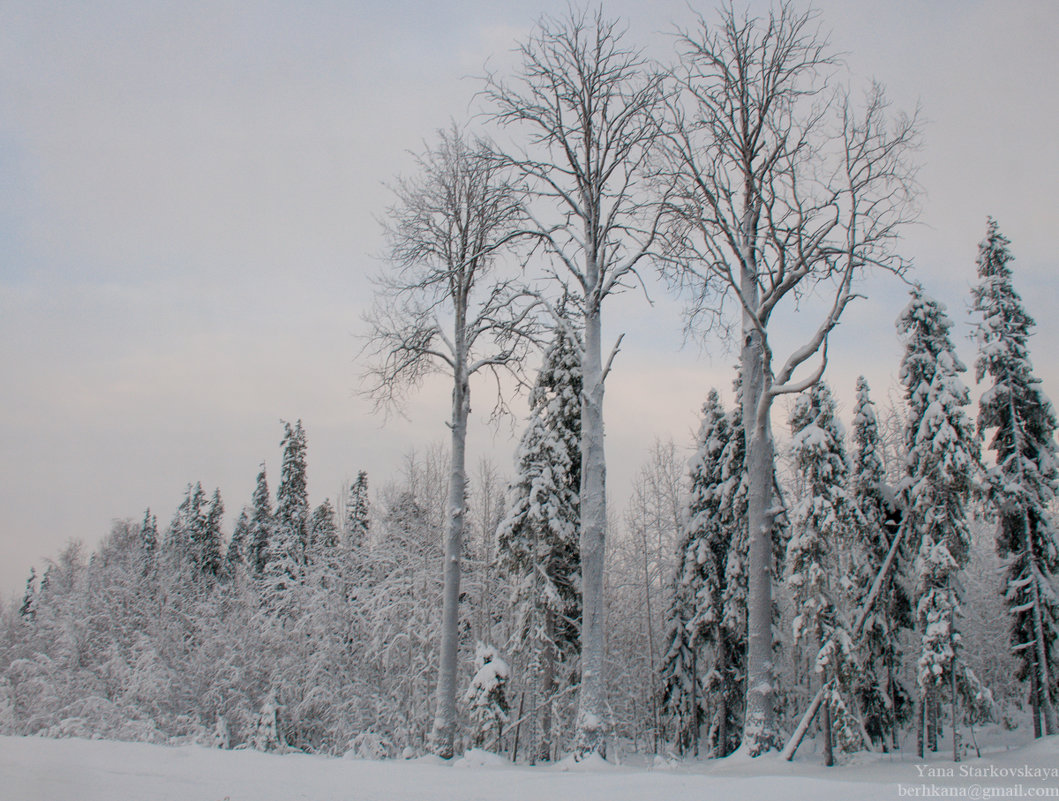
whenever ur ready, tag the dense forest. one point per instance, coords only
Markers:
(877, 580)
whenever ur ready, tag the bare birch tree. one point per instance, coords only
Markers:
(442, 309)
(588, 107)
(782, 188)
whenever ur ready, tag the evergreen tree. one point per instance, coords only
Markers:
(537, 542)
(818, 556)
(239, 545)
(1023, 481)
(262, 524)
(210, 546)
(187, 531)
(941, 456)
(323, 530)
(731, 683)
(695, 617)
(882, 696)
(29, 600)
(149, 535)
(489, 709)
(358, 520)
(291, 535)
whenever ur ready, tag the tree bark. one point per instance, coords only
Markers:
(591, 707)
(759, 729)
(444, 733)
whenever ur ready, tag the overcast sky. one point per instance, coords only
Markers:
(189, 205)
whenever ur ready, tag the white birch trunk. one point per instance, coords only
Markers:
(591, 708)
(759, 734)
(444, 732)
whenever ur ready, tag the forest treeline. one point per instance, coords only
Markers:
(318, 629)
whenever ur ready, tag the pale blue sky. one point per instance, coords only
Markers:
(189, 197)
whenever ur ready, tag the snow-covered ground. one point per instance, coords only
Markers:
(38, 769)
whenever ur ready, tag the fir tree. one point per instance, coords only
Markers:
(486, 699)
(262, 524)
(239, 545)
(187, 530)
(882, 697)
(149, 535)
(1023, 481)
(817, 556)
(537, 542)
(292, 499)
(323, 530)
(358, 520)
(941, 456)
(695, 617)
(731, 682)
(27, 611)
(210, 545)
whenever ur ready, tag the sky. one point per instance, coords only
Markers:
(190, 205)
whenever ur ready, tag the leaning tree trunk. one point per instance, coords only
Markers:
(591, 708)
(444, 733)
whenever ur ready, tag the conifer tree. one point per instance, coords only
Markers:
(186, 531)
(27, 610)
(537, 541)
(486, 697)
(292, 498)
(239, 545)
(358, 520)
(817, 558)
(1023, 481)
(323, 530)
(210, 545)
(149, 535)
(941, 457)
(882, 696)
(262, 524)
(695, 615)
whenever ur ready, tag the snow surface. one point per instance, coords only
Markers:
(39, 769)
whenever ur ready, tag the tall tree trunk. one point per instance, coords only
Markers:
(759, 729)
(591, 708)
(444, 733)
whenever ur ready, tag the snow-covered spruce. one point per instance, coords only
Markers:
(942, 457)
(357, 525)
(818, 561)
(702, 667)
(882, 697)
(486, 698)
(538, 549)
(1022, 484)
